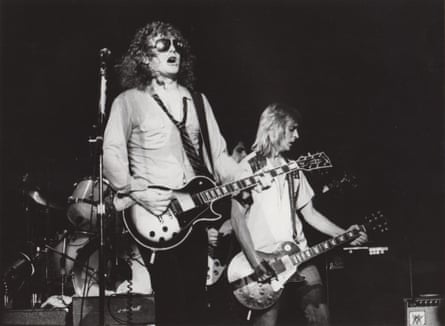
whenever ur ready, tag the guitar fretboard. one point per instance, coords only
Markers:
(308, 164)
(324, 246)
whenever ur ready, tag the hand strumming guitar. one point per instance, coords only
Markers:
(264, 272)
(155, 200)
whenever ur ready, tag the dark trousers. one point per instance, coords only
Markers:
(178, 279)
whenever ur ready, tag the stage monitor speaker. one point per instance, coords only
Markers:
(119, 310)
(34, 317)
(423, 311)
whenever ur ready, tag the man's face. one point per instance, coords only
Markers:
(239, 152)
(289, 137)
(166, 57)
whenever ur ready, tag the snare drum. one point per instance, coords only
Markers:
(82, 209)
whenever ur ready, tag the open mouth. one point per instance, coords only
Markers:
(172, 59)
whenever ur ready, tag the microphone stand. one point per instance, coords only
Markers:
(103, 53)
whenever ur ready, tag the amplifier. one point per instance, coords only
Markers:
(119, 310)
(424, 311)
(34, 317)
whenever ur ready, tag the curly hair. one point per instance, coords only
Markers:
(271, 128)
(134, 73)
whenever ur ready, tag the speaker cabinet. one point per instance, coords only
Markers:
(364, 289)
(119, 310)
(34, 317)
(423, 311)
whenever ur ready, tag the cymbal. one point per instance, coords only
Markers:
(38, 198)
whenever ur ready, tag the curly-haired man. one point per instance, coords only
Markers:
(144, 146)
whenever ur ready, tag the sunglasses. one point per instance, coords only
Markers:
(164, 44)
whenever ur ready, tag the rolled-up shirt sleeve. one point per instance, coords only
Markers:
(305, 191)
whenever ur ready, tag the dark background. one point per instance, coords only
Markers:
(367, 75)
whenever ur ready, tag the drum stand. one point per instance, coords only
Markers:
(37, 213)
(63, 264)
(63, 257)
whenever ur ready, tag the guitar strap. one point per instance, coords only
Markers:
(199, 105)
(292, 198)
(256, 163)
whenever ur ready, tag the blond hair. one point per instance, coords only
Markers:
(271, 128)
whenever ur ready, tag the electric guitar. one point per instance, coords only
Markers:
(218, 257)
(284, 258)
(198, 201)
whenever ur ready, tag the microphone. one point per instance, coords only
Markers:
(104, 52)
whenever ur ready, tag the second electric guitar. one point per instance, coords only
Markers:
(284, 258)
(198, 201)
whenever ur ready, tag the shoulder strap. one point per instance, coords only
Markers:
(292, 198)
(199, 105)
(257, 162)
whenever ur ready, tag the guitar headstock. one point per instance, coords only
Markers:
(376, 222)
(314, 161)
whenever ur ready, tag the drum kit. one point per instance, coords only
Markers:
(65, 263)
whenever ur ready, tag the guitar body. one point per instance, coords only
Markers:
(198, 201)
(175, 224)
(256, 295)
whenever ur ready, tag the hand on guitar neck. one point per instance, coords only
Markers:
(361, 239)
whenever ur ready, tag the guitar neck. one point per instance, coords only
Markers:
(216, 193)
(322, 247)
(210, 195)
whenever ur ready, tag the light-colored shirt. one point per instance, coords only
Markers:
(142, 146)
(269, 218)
